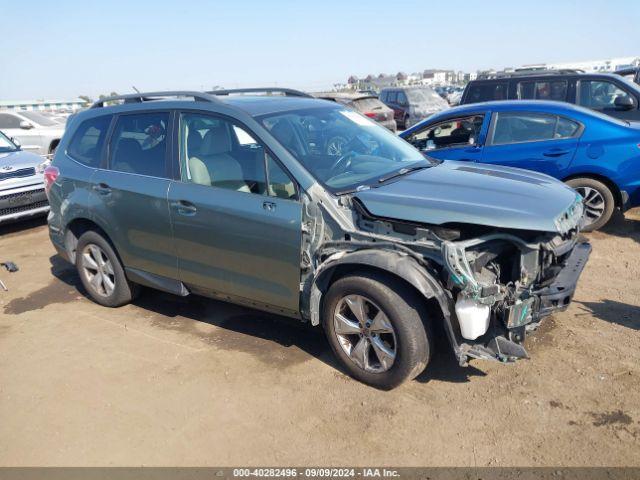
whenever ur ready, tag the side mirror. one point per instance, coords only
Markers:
(25, 125)
(431, 145)
(623, 102)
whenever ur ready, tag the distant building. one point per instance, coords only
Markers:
(610, 65)
(43, 105)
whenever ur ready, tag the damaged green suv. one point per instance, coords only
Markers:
(233, 195)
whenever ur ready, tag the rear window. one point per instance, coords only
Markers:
(368, 104)
(483, 92)
(86, 144)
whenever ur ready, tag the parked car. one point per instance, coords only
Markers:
(606, 93)
(596, 154)
(21, 183)
(412, 104)
(221, 196)
(454, 97)
(35, 132)
(368, 105)
(632, 74)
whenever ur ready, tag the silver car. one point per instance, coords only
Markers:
(32, 130)
(22, 192)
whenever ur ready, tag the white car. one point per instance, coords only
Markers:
(32, 130)
(22, 192)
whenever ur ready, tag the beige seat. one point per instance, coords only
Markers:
(214, 165)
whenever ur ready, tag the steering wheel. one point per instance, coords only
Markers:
(343, 162)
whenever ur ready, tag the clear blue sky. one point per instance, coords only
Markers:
(67, 48)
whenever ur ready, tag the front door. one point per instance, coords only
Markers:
(130, 194)
(236, 216)
(541, 142)
(455, 138)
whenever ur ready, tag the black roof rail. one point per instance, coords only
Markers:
(288, 92)
(528, 73)
(152, 96)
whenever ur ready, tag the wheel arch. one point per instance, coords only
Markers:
(75, 228)
(54, 144)
(399, 266)
(615, 190)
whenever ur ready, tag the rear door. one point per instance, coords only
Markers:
(535, 141)
(131, 192)
(236, 216)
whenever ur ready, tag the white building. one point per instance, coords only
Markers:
(43, 105)
(610, 65)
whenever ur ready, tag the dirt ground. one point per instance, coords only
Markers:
(189, 381)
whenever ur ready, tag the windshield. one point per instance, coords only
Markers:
(39, 119)
(342, 149)
(6, 145)
(424, 95)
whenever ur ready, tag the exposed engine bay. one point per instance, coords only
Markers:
(492, 285)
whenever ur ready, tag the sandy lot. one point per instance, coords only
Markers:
(171, 381)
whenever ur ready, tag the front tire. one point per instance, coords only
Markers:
(599, 202)
(375, 328)
(101, 272)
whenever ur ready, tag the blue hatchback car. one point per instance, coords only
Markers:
(597, 155)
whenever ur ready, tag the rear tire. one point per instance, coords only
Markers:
(599, 202)
(386, 343)
(101, 272)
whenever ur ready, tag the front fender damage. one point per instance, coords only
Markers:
(512, 275)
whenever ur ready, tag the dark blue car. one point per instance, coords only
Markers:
(596, 154)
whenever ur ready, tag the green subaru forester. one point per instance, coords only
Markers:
(237, 196)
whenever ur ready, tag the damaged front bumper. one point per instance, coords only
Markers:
(513, 316)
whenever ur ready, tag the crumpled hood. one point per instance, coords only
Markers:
(465, 192)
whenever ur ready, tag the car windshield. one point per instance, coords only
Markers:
(343, 150)
(6, 145)
(39, 119)
(423, 95)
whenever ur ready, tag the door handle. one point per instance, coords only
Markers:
(269, 206)
(555, 152)
(102, 188)
(185, 208)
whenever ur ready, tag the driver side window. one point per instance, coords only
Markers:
(455, 132)
(219, 153)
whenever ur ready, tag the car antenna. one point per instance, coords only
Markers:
(133, 86)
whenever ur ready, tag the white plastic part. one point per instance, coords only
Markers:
(473, 317)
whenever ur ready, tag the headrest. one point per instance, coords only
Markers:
(216, 141)
(194, 142)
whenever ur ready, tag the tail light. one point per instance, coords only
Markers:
(371, 115)
(50, 175)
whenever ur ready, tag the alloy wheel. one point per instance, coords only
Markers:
(594, 203)
(365, 333)
(98, 270)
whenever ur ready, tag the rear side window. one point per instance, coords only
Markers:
(531, 127)
(86, 145)
(487, 92)
(543, 90)
(139, 144)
